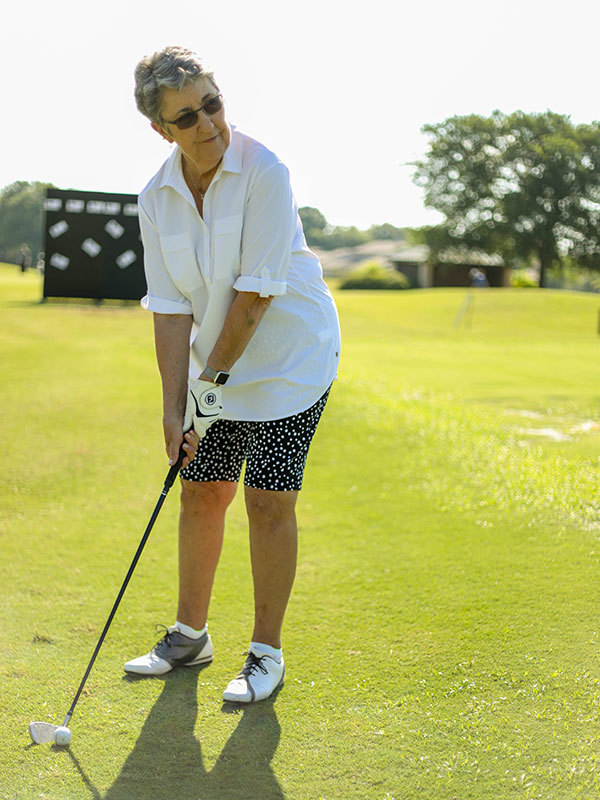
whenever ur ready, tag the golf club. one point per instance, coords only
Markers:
(42, 732)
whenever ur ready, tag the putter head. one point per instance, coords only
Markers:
(42, 732)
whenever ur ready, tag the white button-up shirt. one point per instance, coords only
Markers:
(250, 240)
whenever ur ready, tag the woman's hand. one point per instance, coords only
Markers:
(174, 438)
(204, 405)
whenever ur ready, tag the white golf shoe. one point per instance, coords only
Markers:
(260, 676)
(175, 649)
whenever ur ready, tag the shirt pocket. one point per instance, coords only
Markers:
(180, 260)
(226, 246)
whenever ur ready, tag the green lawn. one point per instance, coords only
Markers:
(442, 640)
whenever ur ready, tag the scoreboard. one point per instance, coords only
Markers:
(92, 246)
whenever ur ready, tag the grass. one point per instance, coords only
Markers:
(442, 639)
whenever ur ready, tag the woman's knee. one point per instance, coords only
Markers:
(270, 506)
(203, 496)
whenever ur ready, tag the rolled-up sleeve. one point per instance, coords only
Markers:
(162, 297)
(270, 222)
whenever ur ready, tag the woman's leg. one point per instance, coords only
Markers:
(201, 527)
(273, 551)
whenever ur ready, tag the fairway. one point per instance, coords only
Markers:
(442, 640)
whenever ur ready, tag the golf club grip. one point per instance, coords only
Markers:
(172, 474)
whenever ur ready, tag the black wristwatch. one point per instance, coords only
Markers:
(216, 377)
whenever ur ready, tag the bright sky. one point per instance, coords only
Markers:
(338, 90)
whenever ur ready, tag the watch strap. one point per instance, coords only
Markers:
(216, 376)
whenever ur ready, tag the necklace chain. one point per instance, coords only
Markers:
(195, 183)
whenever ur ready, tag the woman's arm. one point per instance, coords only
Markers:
(246, 311)
(270, 223)
(172, 342)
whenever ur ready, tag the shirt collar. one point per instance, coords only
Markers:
(231, 162)
(172, 174)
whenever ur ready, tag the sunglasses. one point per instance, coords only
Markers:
(190, 118)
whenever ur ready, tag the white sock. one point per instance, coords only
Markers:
(274, 652)
(191, 632)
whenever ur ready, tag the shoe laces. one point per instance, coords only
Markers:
(166, 637)
(253, 663)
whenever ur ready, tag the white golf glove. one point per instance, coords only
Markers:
(203, 406)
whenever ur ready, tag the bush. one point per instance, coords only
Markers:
(523, 279)
(573, 277)
(374, 275)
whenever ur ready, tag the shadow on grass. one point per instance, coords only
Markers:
(89, 785)
(71, 302)
(21, 303)
(167, 758)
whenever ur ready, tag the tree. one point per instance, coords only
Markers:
(341, 236)
(386, 231)
(313, 221)
(21, 217)
(319, 233)
(521, 185)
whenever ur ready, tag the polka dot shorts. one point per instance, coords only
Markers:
(275, 451)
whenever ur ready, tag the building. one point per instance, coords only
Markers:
(450, 268)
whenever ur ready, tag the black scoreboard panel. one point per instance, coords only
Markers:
(93, 246)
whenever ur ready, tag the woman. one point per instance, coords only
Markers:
(239, 302)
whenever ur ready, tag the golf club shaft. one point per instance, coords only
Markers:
(169, 480)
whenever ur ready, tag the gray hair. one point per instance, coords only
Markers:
(171, 67)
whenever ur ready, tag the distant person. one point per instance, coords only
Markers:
(40, 262)
(24, 257)
(478, 278)
(228, 270)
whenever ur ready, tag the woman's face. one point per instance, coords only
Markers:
(206, 141)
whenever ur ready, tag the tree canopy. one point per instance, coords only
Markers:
(319, 233)
(522, 185)
(21, 217)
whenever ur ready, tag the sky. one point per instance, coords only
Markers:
(340, 91)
